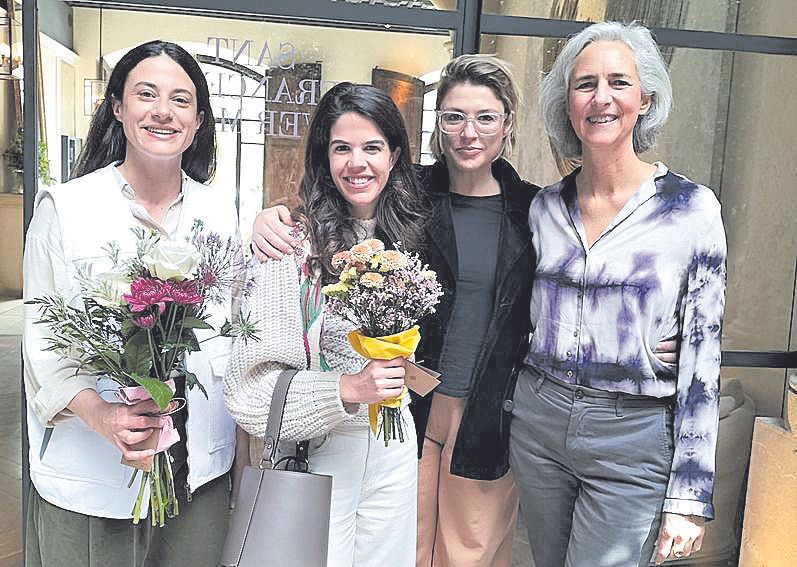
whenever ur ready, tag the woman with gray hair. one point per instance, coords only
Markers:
(612, 449)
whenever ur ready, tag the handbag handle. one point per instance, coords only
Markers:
(275, 412)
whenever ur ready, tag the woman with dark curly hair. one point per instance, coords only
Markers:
(358, 184)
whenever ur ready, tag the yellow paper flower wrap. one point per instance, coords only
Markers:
(401, 344)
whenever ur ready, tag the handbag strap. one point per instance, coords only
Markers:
(275, 413)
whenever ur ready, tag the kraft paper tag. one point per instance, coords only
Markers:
(419, 379)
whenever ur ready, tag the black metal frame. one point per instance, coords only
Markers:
(759, 359)
(698, 39)
(468, 36)
(467, 21)
(30, 178)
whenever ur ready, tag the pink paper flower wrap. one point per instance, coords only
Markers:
(134, 394)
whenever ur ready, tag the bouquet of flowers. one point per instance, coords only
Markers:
(385, 293)
(135, 324)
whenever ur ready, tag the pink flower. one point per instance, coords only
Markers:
(185, 293)
(145, 292)
(145, 321)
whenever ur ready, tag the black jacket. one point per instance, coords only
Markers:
(481, 448)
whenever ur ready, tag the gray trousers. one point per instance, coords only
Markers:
(592, 469)
(59, 538)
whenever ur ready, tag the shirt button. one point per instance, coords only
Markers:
(569, 354)
(575, 333)
(508, 406)
(569, 373)
(579, 394)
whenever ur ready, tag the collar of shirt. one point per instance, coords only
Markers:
(170, 220)
(648, 188)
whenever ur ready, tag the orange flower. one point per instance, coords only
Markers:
(372, 280)
(341, 259)
(361, 253)
(374, 244)
(392, 260)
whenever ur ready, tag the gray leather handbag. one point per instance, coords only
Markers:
(282, 516)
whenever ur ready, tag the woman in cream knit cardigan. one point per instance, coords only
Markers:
(358, 183)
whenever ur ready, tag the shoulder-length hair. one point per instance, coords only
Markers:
(485, 70)
(654, 79)
(323, 210)
(106, 142)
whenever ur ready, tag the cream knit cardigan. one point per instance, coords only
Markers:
(313, 406)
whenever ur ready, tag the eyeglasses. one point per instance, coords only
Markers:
(485, 123)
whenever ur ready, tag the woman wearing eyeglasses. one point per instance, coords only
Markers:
(478, 241)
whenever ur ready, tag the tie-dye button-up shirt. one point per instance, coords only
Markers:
(657, 271)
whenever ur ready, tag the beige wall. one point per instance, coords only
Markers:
(700, 89)
(8, 128)
(758, 197)
(10, 204)
(52, 109)
(532, 154)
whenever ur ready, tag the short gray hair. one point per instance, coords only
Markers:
(485, 70)
(653, 75)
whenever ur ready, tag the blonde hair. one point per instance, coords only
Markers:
(479, 69)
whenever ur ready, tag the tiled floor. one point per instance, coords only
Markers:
(10, 316)
(10, 450)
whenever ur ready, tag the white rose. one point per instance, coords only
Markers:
(172, 260)
(112, 286)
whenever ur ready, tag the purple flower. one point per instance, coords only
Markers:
(222, 266)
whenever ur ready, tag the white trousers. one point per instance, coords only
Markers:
(374, 495)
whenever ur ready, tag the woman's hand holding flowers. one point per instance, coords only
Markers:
(385, 293)
(379, 380)
(123, 425)
(135, 326)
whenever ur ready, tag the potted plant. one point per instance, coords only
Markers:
(15, 163)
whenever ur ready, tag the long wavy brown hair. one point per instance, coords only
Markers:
(400, 209)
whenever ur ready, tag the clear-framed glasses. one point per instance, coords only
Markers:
(485, 123)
